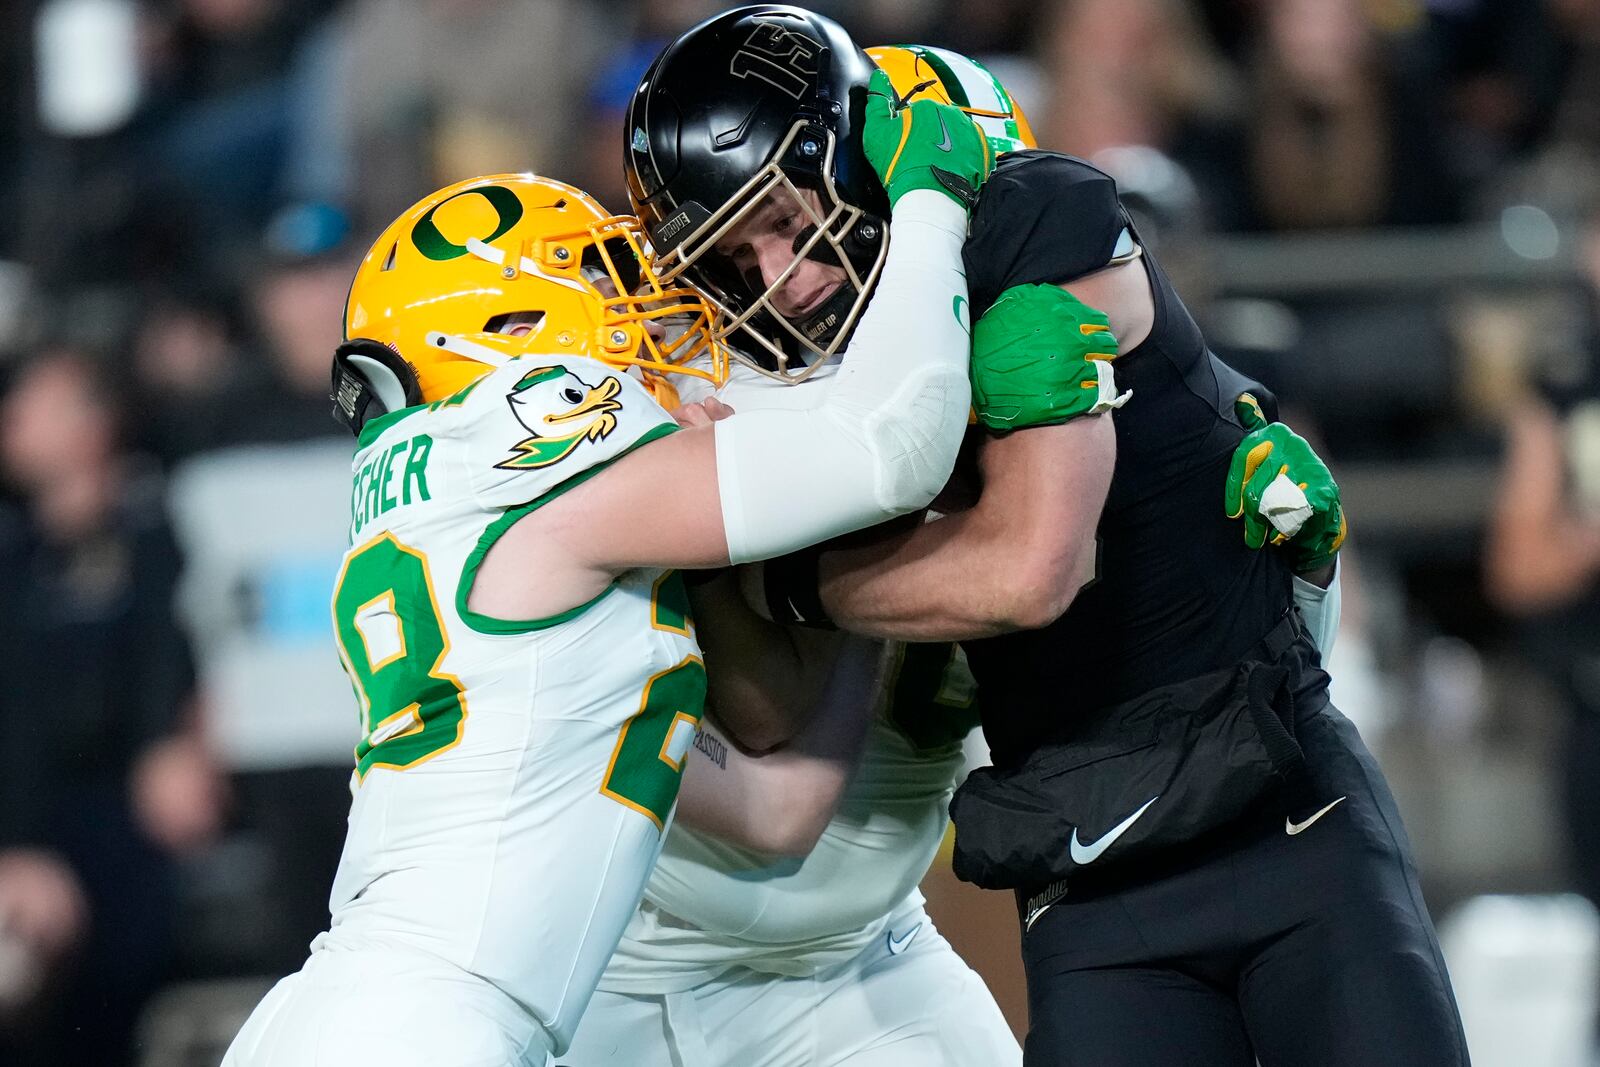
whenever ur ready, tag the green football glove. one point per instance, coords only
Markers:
(1283, 491)
(923, 145)
(1040, 356)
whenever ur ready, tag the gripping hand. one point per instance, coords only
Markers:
(923, 145)
(1040, 356)
(1283, 491)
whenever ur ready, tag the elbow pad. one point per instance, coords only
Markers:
(1320, 609)
(883, 440)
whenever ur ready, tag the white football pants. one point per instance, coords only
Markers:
(386, 1006)
(907, 999)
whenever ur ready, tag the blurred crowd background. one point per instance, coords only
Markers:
(1388, 210)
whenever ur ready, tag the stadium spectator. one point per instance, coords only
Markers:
(296, 300)
(103, 777)
(259, 576)
(1542, 565)
(1340, 134)
(1577, 113)
(606, 97)
(433, 91)
(1135, 72)
(225, 110)
(1503, 66)
(186, 359)
(1144, 74)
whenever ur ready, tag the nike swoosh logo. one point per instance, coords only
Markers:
(1083, 854)
(899, 944)
(944, 145)
(1291, 827)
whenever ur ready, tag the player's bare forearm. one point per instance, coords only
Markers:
(766, 678)
(1013, 562)
(781, 802)
(924, 585)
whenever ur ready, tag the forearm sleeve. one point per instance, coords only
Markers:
(885, 441)
(1320, 609)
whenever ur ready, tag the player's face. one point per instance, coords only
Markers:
(763, 244)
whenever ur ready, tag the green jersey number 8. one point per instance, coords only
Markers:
(392, 641)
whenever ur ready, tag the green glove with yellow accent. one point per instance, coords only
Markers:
(1040, 356)
(1283, 491)
(923, 145)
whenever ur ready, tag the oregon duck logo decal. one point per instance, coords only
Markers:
(560, 411)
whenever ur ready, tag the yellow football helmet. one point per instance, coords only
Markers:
(487, 269)
(918, 72)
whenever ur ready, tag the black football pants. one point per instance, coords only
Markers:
(1306, 950)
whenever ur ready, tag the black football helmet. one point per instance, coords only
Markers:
(758, 102)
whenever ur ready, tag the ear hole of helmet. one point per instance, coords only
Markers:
(508, 322)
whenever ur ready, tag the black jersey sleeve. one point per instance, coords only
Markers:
(1041, 218)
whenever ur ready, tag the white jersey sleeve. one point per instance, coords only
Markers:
(749, 390)
(536, 423)
(887, 439)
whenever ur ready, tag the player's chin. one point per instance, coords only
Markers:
(797, 314)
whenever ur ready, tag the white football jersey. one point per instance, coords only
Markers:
(711, 905)
(513, 779)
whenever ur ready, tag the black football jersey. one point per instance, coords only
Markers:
(1177, 593)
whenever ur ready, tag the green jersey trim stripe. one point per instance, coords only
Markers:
(374, 429)
(488, 624)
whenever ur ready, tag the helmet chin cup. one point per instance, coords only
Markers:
(826, 325)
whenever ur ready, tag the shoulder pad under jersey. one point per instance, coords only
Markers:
(540, 421)
(1042, 218)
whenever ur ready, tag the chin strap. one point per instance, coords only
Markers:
(370, 379)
